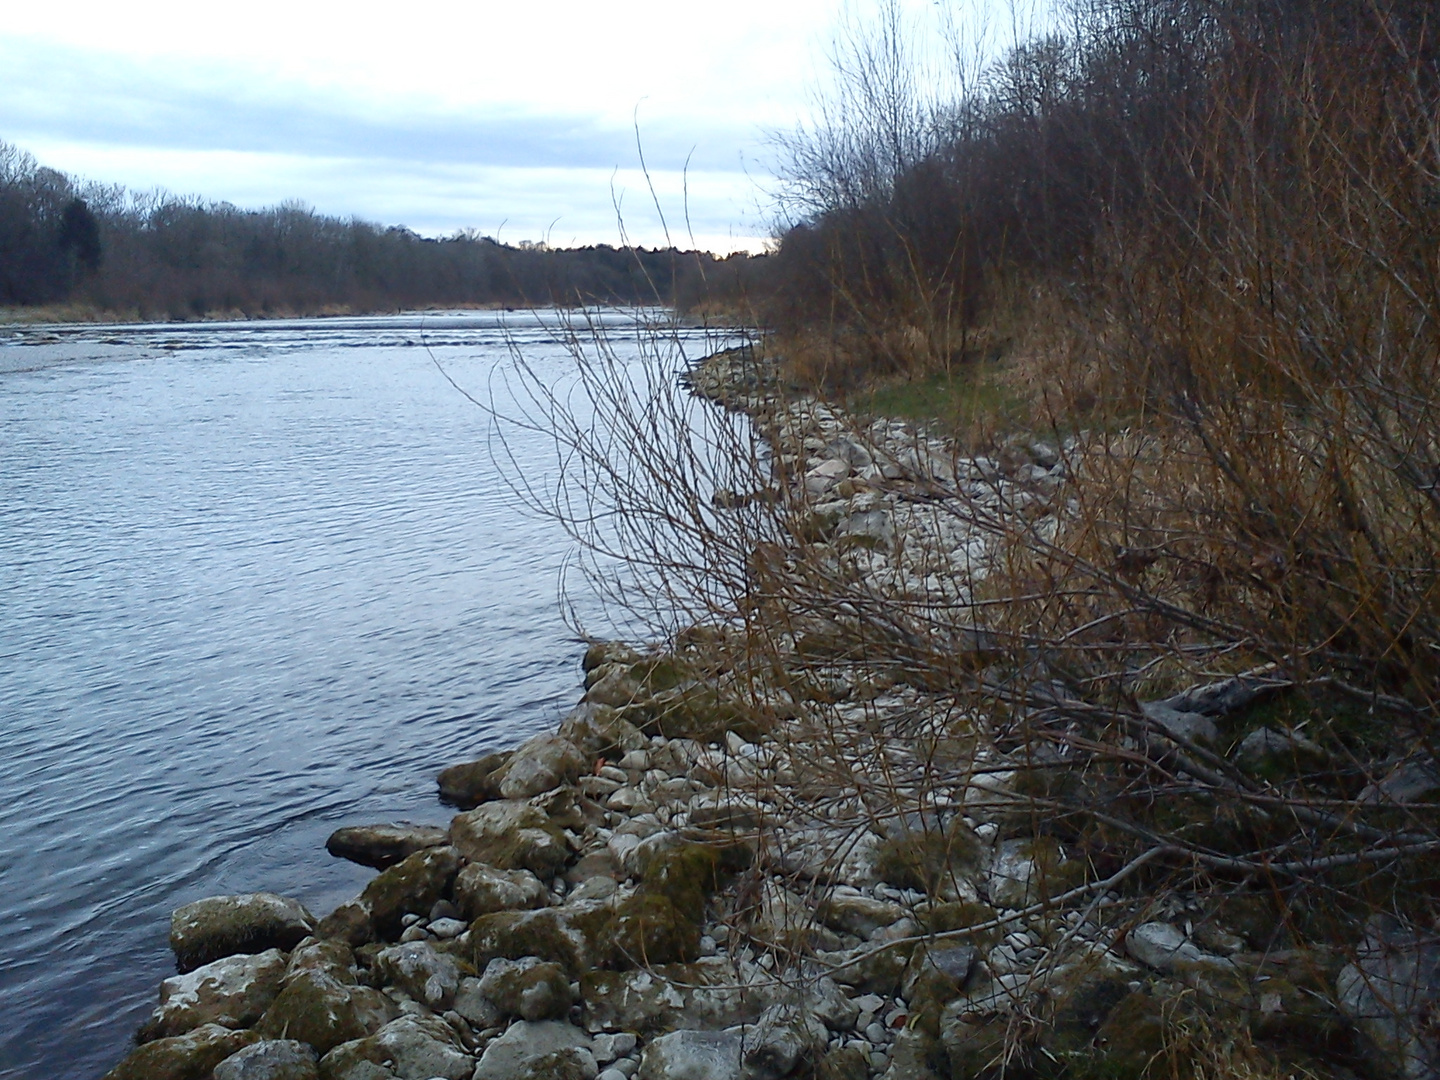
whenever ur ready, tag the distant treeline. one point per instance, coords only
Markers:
(65, 241)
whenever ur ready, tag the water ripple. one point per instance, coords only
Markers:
(255, 580)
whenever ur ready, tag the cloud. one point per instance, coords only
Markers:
(77, 96)
(228, 135)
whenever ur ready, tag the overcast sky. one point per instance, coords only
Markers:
(516, 119)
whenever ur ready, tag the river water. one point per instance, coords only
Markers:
(257, 580)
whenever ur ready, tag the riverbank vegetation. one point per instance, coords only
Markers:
(1146, 595)
(75, 249)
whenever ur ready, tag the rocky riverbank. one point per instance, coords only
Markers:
(706, 875)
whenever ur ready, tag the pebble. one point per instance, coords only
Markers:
(447, 928)
(414, 933)
(876, 1034)
(612, 1074)
(410, 919)
(626, 1067)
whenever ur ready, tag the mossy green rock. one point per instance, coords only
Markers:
(929, 858)
(873, 969)
(960, 915)
(410, 887)
(511, 835)
(233, 992)
(529, 988)
(472, 782)
(600, 731)
(648, 929)
(561, 935)
(607, 652)
(846, 1063)
(221, 926)
(414, 1047)
(192, 1056)
(324, 1011)
(484, 890)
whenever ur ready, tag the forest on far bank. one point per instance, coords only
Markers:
(107, 251)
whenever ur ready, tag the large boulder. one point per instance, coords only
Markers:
(383, 845)
(426, 975)
(600, 731)
(782, 1036)
(694, 1055)
(410, 887)
(706, 994)
(233, 992)
(412, 1048)
(221, 926)
(192, 1056)
(567, 936)
(481, 890)
(324, 1010)
(530, 988)
(547, 1050)
(541, 764)
(275, 1059)
(511, 835)
(472, 782)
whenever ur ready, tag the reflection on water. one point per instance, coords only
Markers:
(256, 580)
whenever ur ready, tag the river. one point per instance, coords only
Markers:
(257, 580)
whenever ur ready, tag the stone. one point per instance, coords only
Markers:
(481, 890)
(919, 853)
(870, 968)
(221, 926)
(852, 912)
(469, 784)
(412, 1047)
(383, 845)
(529, 988)
(192, 1056)
(781, 1037)
(615, 686)
(600, 731)
(693, 1055)
(1166, 948)
(937, 974)
(601, 653)
(824, 1000)
(1391, 993)
(785, 921)
(511, 835)
(709, 993)
(1411, 781)
(1025, 872)
(274, 1059)
(474, 1007)
(540, 764)
(324, 1010)
(830, 854)
(546, 1050)
(410, 887)
(233, 992)
(423, 973)
(1191, 726)
(445, 929)
(607, 1048)
(562, 935)
(844, 1063)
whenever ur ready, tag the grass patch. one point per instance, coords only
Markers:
(960, 401)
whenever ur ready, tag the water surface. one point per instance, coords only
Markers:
(256, 580)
